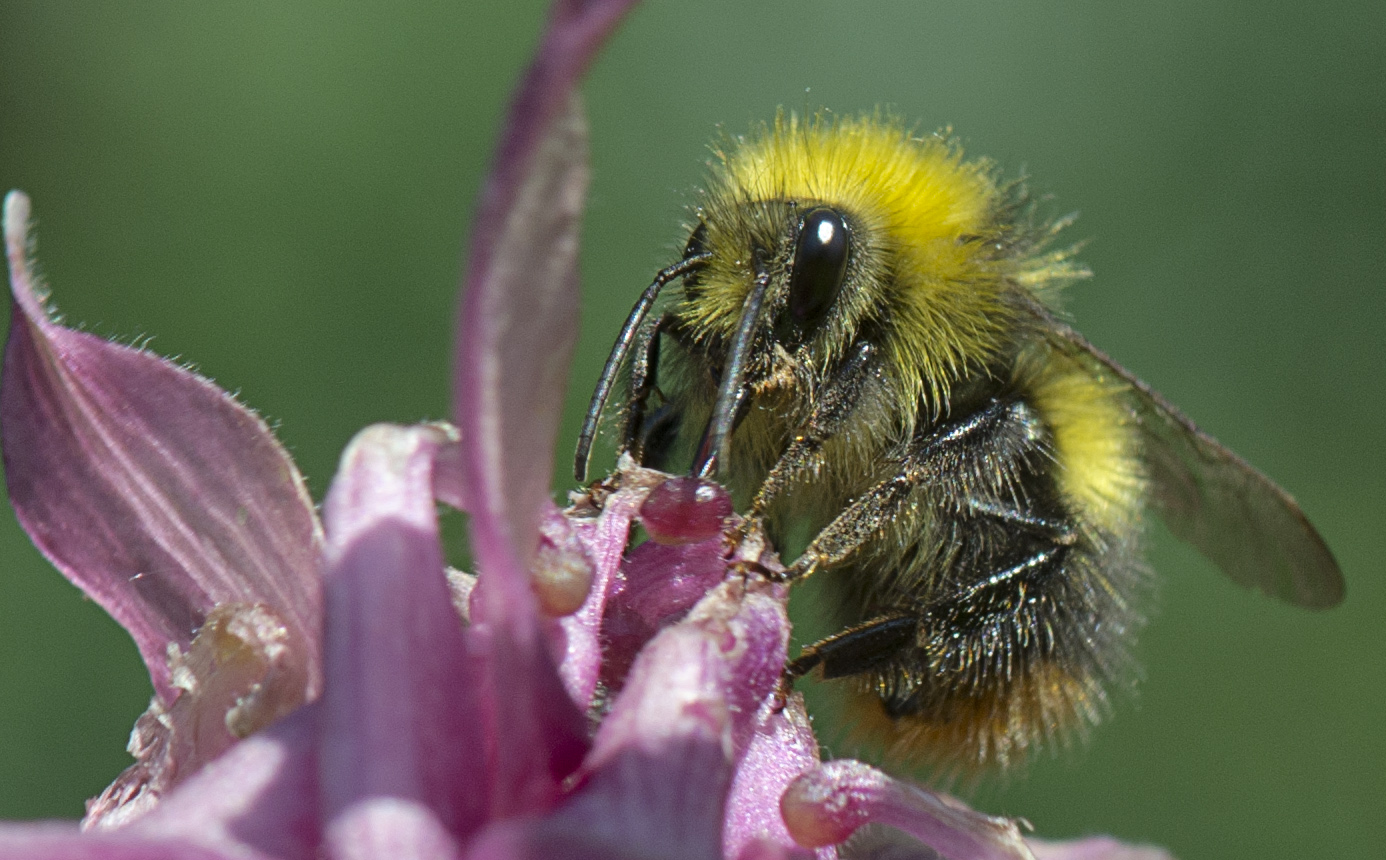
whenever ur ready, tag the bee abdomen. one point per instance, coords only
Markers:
(1021, 600)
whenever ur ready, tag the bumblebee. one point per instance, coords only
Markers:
(861, 339)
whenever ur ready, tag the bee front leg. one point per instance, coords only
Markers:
(835, 404)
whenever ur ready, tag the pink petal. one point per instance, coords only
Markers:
(261, 795)
(516, 329)
(782, 748)
(1095, 848)
(658, 584)
(518, 319)
(661, 804)
(537, 735)
(827, 805)
(146, 485)
(401, 714)
(656, 780)
(63, 842)
(517, 334)
(578, 649)
(527, 841)
(708, 676)
(764, 849)
(665, 756)
(391, 828)
(604, 537)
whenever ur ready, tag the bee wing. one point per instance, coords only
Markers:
(1221, 504)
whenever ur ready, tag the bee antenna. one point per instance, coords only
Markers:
(619, 352)
(716, 445)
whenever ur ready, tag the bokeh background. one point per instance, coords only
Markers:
(278, 192)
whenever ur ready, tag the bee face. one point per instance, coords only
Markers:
(807, 256)
(860, 346)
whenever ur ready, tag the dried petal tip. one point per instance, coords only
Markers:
(685, 510)
(828, 804)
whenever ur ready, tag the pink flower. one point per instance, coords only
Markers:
(330, 689)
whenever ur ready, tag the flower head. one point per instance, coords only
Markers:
(331, 689)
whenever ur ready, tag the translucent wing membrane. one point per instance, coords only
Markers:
(1213, 499)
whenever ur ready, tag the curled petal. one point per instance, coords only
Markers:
(580, 657)
(828, 804)
(401, 710)
(530, 840)
(656, 781)
(657, 586)
(706, 677)
(518, 319)
(764, 849)
(663, 804)
(516, 329)
(536, 736)
(150, 488)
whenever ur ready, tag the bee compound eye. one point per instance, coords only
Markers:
(820, 263)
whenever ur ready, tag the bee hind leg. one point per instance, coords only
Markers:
(858, 648)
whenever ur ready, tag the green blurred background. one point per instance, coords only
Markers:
(278, 191)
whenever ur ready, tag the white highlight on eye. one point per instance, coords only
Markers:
(825, 231)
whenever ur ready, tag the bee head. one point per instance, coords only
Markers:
(773, 304)
(809, 253)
